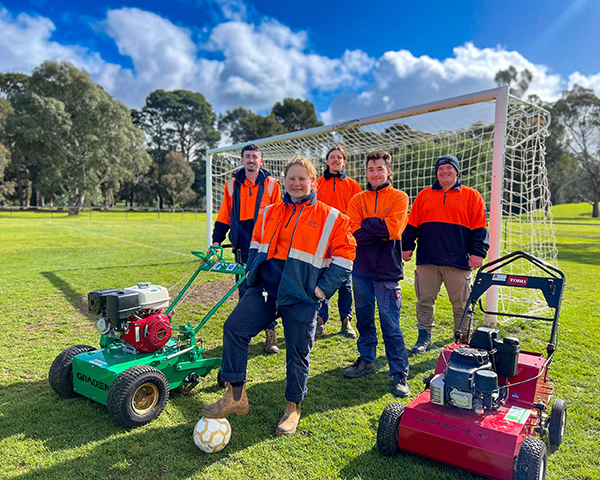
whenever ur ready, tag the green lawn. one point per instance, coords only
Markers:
(49, 264)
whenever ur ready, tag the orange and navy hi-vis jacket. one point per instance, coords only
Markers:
(319, 248)
(242, 204)
(336, 189)
(378, 219)
(448, 225)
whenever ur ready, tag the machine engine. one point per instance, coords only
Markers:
(470, 380)
(134, 314)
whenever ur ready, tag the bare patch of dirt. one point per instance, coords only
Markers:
(210, 293)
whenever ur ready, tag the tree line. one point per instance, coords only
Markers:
(64, 140)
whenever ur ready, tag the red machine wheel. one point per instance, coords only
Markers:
(138, 396)
(558, 422)
(60, 375)
(532, 460)
(387, 432)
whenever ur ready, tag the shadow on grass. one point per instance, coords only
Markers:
(582, 253)
(404, 465)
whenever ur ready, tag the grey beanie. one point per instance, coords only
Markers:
(447, 159)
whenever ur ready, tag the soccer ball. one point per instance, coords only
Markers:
(212, 435)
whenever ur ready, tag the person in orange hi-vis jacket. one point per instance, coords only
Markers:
(301, 252)
(335, 188)
(378, 218)
(246, 195)
(448, 222)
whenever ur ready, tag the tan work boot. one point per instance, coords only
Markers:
(289, 422)
(271, 345)
(227, 405)
(347, 330)
(321, 327)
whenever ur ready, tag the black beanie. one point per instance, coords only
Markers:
(447, 159)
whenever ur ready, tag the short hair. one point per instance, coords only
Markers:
(304, 163)
(336, 147)
(251, 147)
(380, 155)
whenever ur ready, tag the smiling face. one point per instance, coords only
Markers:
(335, 161)
(378, 172)
(252, 161)
(447, 175)
(298, 182)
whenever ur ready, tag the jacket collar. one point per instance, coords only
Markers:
(379, 189)
(240, 176)
(310, 199)
(328, 175)
(438, 186)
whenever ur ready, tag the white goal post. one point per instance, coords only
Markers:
(499, 141)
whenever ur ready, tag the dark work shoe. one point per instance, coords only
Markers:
(400, 386)
(423, 342)
(360, 368)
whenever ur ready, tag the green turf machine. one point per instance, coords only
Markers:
(142, 356)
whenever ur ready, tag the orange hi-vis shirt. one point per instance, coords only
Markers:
(337, 190)
(242, 203)
(378, 220)
(319, 248)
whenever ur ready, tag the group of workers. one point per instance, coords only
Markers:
(327, 235)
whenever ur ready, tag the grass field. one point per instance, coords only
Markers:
(49, 264)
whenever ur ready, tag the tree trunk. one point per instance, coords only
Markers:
(595, 213)
(75, 209)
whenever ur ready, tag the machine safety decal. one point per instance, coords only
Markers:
(499, 277)
(517, 415)
(98, 362)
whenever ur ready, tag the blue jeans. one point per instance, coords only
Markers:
(251, 315)
(387, 294)
(344, 302)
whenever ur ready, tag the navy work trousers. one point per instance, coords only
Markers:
(253, 314)
(387, 294)
(344, 302)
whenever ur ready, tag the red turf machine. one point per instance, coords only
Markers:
(487, 400)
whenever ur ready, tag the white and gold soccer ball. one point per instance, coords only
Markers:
(212, 435)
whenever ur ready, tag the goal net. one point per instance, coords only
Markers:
(498, 139)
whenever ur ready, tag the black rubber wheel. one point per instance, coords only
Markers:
(220, 381)
(558, 422)
(532, 460)
(387, 432)
(138, 396)
(60, 375)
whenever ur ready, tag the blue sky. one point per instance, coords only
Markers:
(349, 58)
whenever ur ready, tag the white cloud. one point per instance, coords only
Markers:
(256, 65)
(402, 80)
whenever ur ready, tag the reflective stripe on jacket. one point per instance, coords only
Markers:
(448, 226)
(378, 219)
(336, 190)
(242, 203)
(321, 250)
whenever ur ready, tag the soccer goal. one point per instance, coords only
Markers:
(500, 143)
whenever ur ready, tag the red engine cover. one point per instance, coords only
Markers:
(150, 333)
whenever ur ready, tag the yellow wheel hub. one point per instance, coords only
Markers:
(145, 398)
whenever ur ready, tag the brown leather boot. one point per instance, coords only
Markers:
(271, 345)
(347, 330)
(227, 405)
(289, 422)
(321, 328)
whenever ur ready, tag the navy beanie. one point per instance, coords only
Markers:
(447, 159)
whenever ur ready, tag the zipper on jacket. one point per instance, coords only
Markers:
(334, 184)
(250, 194)
(445, 193)
(376, 197)
(293, 212)
(289, 250)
